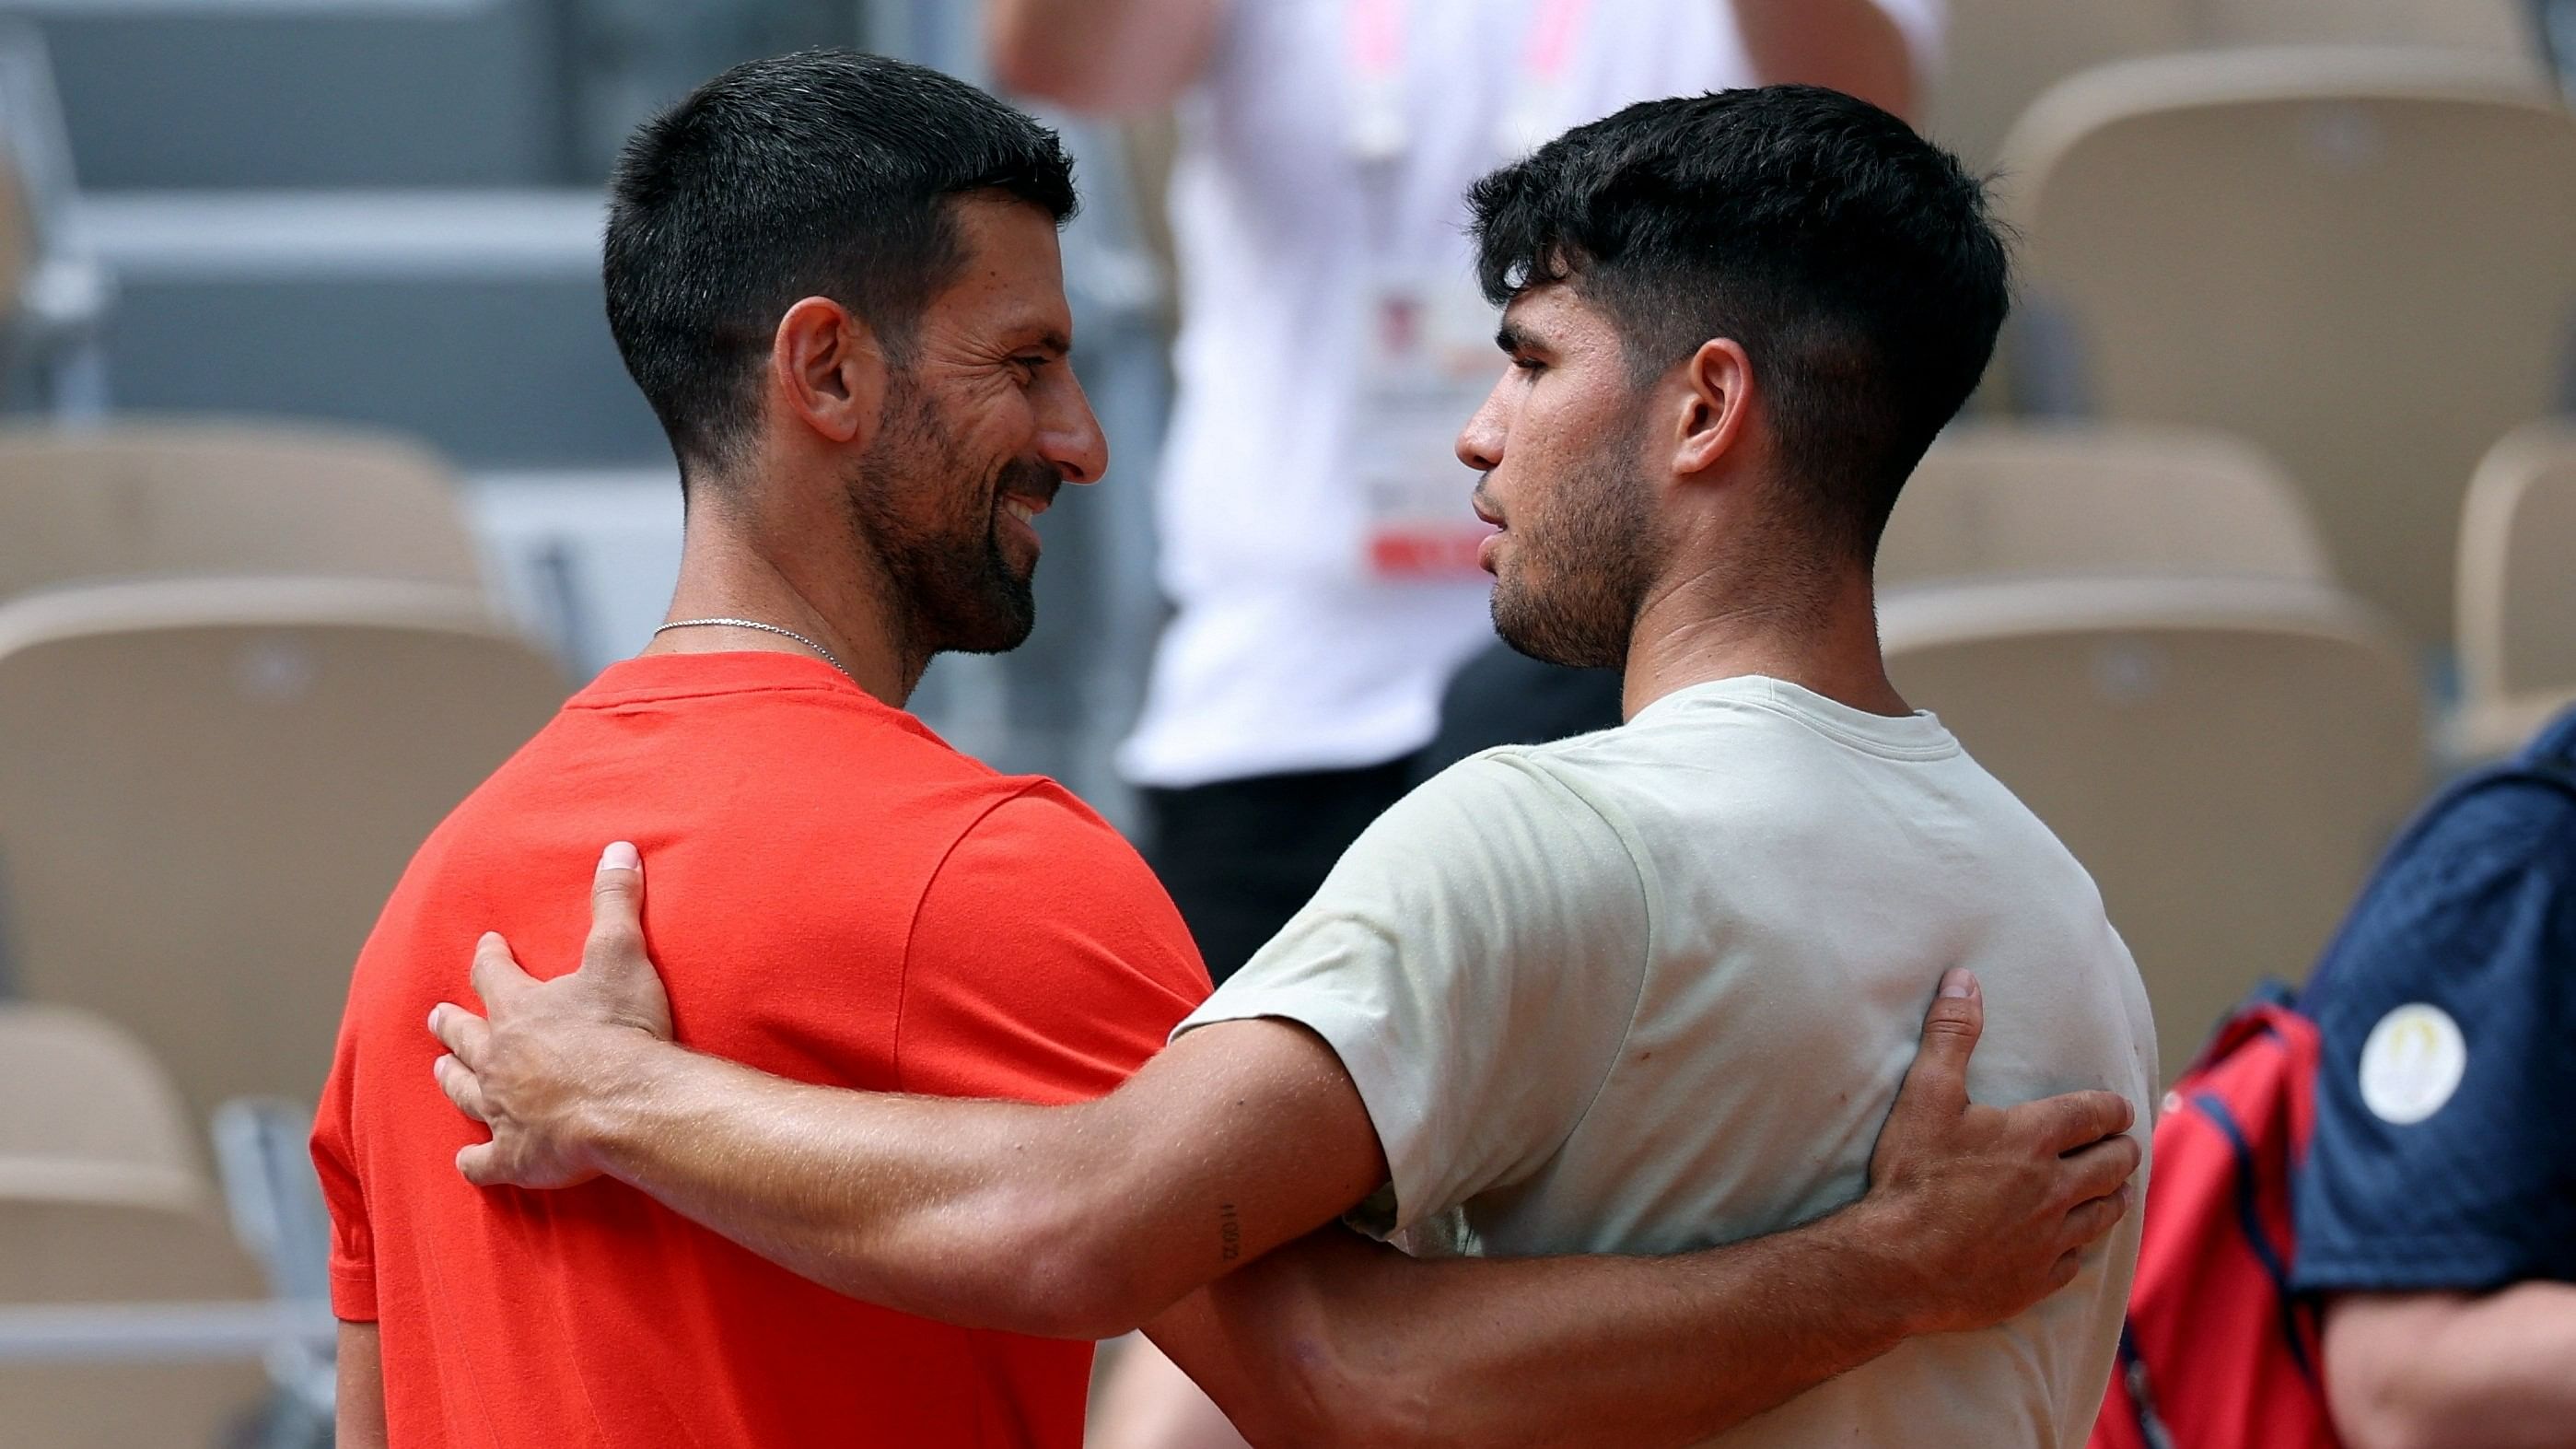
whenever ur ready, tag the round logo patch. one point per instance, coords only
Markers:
(2412, 1063)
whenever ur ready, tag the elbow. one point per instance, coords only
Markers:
(2388, 1418)
(1054, 1266)
(1021, 68)
(1316, 1393)
(1029, 63)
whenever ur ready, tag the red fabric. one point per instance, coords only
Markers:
(834, 895)
(2216, 1355)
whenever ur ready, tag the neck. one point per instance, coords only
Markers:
(735, 567)
(1701, 628)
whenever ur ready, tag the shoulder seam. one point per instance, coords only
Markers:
(912, 928)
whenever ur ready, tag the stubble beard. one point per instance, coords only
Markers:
(949, 586)
(1570, 592)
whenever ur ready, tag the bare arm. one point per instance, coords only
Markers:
(361, 1400)
(1108, 57)
(1080, 1221)
(1076, 1221)
(1336, 1339)
(2461, 1371)
(1851, 46)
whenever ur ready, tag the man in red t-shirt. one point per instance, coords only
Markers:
(836, 279)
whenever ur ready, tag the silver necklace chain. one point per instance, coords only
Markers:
(753, 624)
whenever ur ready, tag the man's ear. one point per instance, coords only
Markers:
(827, 371)
(1716, 406)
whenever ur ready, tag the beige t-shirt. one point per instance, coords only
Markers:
(1654, 989)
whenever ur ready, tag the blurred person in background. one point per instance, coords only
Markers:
(1646, 989)
(1323, 576)
(2437, 1210)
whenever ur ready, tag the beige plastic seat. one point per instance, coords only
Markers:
(1998, 55)
(208, 787)
(1997, 499)
(2362, 261)
(2518, 590)
(75, 1087)
(151, 499)
(2497, 27)
(102, 1200)
(2226, 756)
(99, 1233)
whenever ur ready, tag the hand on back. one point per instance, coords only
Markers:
(1992, 1207)
(548, 1047)
(1987, 1210)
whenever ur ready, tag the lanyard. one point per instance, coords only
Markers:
(1377, 122)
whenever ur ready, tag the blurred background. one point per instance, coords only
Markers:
(322, 484)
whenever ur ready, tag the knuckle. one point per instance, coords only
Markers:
(613, 939)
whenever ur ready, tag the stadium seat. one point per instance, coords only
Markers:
(142, 500)
(2227, 756)
(2518, 590)
(102, 1201)
(2000, 54)
(2498, 27)
(207, 788)
(2363, 261)
(1996, 499)
(73, 1086)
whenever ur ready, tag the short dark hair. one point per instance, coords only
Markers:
(1855, 262)
(822, 173)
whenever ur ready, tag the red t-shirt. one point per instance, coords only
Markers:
(834, 896)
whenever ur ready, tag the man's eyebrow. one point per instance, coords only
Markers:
(1512, 337)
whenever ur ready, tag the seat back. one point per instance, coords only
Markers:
(2518, 588)
(2498, 27)
(102, 1201)
(208, 787)
(75, 1086)
(2226, 756)
(2362, 261)
(1993, 499)
(142, 500)
(1998, 55)
(103, 1233)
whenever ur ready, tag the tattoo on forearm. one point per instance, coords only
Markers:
(1229, 1233)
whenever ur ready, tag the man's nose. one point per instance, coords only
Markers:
(1069, 436)
(1480, 442)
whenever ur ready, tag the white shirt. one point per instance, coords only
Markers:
(1285, 654)
(1655, 988)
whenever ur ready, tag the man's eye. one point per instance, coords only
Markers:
(1529, 364)
(1031, 364)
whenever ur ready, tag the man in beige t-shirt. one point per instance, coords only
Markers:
(1646, 990)
(1690, 953)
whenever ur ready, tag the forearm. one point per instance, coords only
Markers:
(1115, 57)
(2491, 1372)
(960, 1210)
(1851, 46)
(359, 1414)
(1335, 1340)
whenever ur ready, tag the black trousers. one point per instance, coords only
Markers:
(1241, 856)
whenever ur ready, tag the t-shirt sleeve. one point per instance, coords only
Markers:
(353, 1242)
(2444, 1156)
(1475, 960)
(1046, 963)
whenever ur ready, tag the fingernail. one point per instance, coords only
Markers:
(620, 856)
(433, 1015)
(1958, 981)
